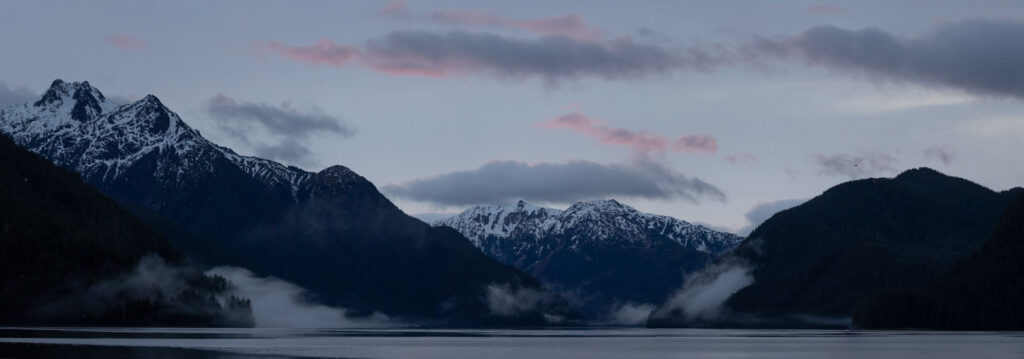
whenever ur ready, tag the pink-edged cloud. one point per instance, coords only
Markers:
(324, 52)
(640, 142)
(571, 26)
(550, 58)
(125, 42)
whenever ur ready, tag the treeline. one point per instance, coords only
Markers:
(62, 242)
(984, 292)
(862, 238)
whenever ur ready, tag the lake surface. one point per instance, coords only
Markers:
(547, 343)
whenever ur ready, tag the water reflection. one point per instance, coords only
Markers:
(496, 343)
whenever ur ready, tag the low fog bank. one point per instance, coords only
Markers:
(280, 304)
(153, 293)
(701, 302)
(511, 301)
(627, 314)
(702, 298)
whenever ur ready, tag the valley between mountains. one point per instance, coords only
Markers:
(115, 214)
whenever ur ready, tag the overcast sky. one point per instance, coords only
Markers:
(713, 112)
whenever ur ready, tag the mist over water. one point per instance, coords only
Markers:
(703, 296)
(496, 343)
(281, 304)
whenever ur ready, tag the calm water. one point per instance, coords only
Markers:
(562, 344)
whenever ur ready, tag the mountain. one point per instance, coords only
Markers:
(984, 292)
(603, 254)
(70, 255)
(331, 231)
(812, 264)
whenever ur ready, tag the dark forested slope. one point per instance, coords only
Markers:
(68, 255)
(984, 292)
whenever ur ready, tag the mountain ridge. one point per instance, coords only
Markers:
(326, 231)
(813, 264)
(596, 251)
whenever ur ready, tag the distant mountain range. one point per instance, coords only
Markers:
(331, 231)
(71, 256)
(815, 263)
(600, 254)
(922, 249)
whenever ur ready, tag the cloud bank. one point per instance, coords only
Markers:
(980, 57)
(983, 57)
(506, 181)
(550, 58)
(640, 142)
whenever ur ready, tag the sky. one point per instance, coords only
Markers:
(716, 112)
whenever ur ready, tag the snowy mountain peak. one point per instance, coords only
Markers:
(595, 222)
(68, 101)
(479, 222)
(60, 91)
(604, 207)
(75, 126)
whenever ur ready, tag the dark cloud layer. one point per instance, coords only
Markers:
(983, 57)
(505, 181)
(15, 95)
(552, 58)
(289, 126)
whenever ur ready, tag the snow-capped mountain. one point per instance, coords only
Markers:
(331, 231)
(75, 126)
(601, 222)
(597, 249)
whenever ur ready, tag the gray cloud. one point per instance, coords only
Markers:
(289, 127)
(15, 95)
(854, 166)
(552, 58)
(943, 154)
(977, 56)
(983, 57)
(283, 119)
(762, 211)
(505, 181)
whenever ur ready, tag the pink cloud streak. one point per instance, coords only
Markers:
(639, 141)
(125, 42)
(323, 52)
